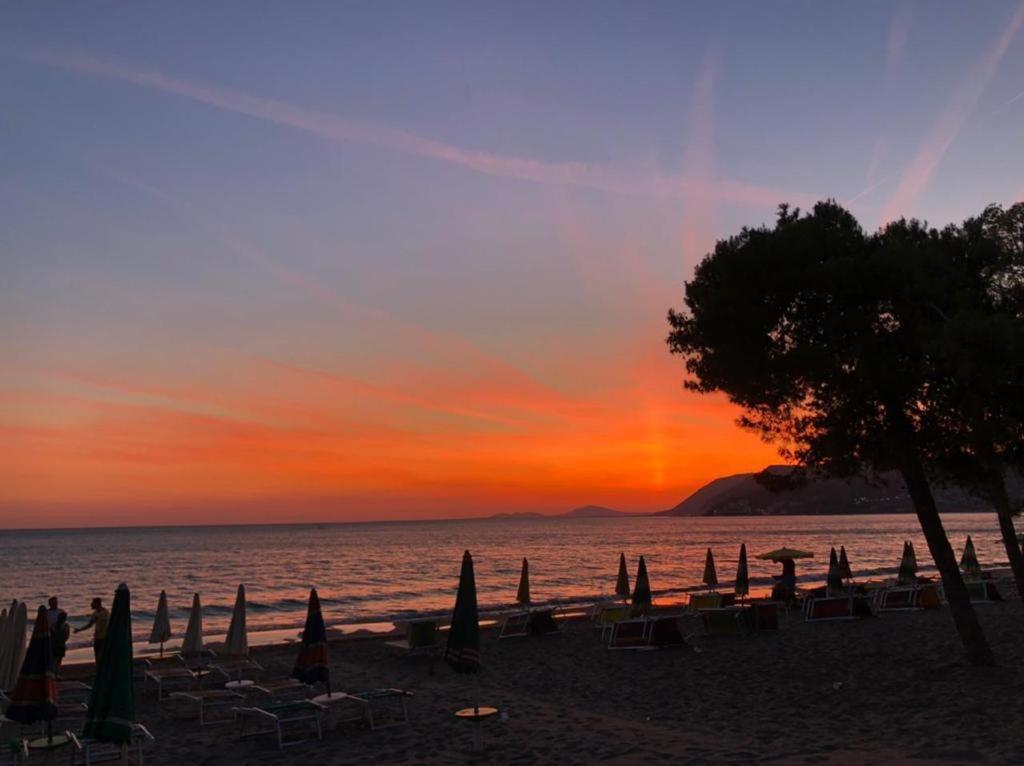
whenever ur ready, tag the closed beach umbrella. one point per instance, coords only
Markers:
(161, 623)
(313, 664)
(742, 573)
(907, 573)
(15, 642)
(462, 651)
(834, 579)
(111, 713)
(3, 640)
(34, 697)
(710, 573)
(237, 642)
(844, 564)
(622, 581)
(192, 646)
(523, 594)
(642, 588)
(969, 560)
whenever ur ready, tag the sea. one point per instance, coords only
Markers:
(370, 575)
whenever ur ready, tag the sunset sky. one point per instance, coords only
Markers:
(276, 262)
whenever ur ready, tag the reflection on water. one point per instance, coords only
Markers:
(374, 572)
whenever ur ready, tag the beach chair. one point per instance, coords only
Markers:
(168, 678)
(827, 608)
(725, 622)
(763, 615)
(536, 622)
(608, 615)
(515, 625)
(983, 592)
(278, 718)
(282, 690)
(898, 599)
(238, 672)
(421, 637)
(663, 633)
(86, 751)
(701, 601)
(369, 704)
(206, 701)
(629, 634)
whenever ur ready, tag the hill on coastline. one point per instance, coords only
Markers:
(583, 512)
(743, 495)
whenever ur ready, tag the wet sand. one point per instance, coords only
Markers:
(893, 689)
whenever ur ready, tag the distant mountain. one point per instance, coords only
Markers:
(743, 495)
(594, 512)
(583, 512)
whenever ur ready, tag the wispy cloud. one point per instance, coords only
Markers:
(699, 163)
(335, 128)
(961, 104)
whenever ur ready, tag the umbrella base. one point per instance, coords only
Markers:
(48, 743)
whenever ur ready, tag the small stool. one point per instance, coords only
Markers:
(476, 715)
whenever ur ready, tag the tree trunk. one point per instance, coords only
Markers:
(1001, 501)
(967, 625)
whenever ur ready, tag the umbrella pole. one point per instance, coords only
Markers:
(161, 650)
(477, 737)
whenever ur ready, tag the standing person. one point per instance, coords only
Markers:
(59, 641)
(54, 612)
(99, 620)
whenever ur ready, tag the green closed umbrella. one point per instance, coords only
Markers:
(907, 573)
(844, 564)
(834, 579)
(742, 573)
(969, 560)
(642, 588)
(523, 594)
(462, 651)
(710, 573)
(111, 714)
(622, 582)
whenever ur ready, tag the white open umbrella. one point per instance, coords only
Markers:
(236, 645)
(16, 645)
(161, 623)
(192, 646)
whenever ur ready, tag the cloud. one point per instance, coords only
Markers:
(959, 107)
(334, 128)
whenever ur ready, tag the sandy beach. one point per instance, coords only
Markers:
(891, 689)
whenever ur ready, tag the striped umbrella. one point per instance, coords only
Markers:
(462, 651)
(161, 623)
(35, 694)
(622, 582)
(844, 564)
(834, 579)
(742, 573)
(236, 644)
(907, 573)
(710, 573)
(523, 594)
(969, 560)
(192, 647)
(642, 588)
(111, 714)
(313, 664)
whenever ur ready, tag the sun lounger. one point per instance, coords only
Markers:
(763, 615)
(366, 703)
(727, 621)
(170, 678)
(826, 608)
(274, 718)
(206, 701)
(646, 633)
(283, 690)
(983, 592)
(421, 637)
(86, 751)
(608, 615)
(536, 622)
(701, 601)
(236, 670)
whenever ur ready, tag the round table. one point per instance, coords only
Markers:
(48, 743)
(241, 683)
(476, 715)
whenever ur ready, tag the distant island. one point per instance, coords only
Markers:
(743, 495)
(583, 512)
